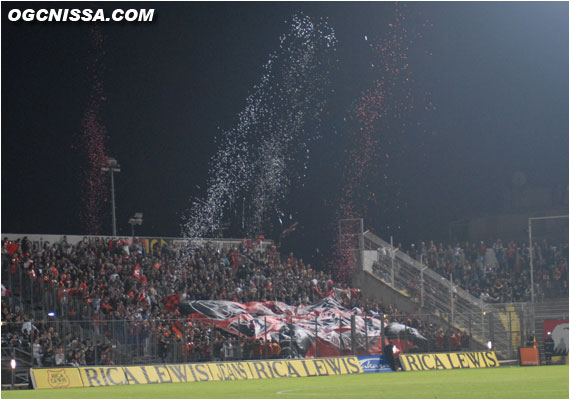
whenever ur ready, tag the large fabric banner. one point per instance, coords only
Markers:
(322, 329)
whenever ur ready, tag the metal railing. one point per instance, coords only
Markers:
(505, 325)
(434, 293)
(104, 341)
(17, 375)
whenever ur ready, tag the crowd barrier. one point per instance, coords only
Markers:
(433, 361)
(46, 378)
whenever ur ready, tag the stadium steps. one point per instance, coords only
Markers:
(464, 312)
(511, 322)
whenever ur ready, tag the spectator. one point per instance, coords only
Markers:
(163, 348)
(120, 281)
(37, 352)
(275, 349)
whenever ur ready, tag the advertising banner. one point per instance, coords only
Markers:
(425, 362)
(147, 374)
(56, 378)
(221, 371)
(370, 364)
(102, 376)
(151, 244)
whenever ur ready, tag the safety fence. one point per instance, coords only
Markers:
(105, 341)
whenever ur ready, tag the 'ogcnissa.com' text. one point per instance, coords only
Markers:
(81, 15)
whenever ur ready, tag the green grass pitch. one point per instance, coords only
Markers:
(507, 382)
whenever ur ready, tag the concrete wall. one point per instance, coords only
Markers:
(371, 286)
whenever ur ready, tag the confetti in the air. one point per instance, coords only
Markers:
(95, 188)
(266, 154)
(375, 120)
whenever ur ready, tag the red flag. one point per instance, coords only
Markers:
(12, 247)
(171, 302)
(287, 231)
(137, 272)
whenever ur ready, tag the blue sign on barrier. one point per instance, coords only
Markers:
(374, 364)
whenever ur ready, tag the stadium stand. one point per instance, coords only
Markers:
(470, 286)
(116, 302)
(119, 302)
(498, 273)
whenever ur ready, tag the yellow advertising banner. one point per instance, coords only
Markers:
(103, 376)
(268, 369)
(263, 369)
(147, 374)
(220, 371)
(190, 372)
(430, 361)
(56, 378)
(226, 371)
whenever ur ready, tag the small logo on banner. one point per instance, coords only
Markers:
(371, 364)
(57, 378)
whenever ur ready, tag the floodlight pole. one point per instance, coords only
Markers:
(112, 166)
(113, 202)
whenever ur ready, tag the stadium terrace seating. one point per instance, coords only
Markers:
(116, 299)
(499, 273)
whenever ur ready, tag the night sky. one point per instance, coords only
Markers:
(493, 77)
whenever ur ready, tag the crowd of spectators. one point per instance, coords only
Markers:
(121, 287)
(117, 281)
(44, 342)
(438, 337)
(507, 279)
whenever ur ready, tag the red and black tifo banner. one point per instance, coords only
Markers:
(321, 329)
(464, 360)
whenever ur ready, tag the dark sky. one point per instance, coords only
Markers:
(497, 74)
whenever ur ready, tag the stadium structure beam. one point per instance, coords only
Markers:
(530, 249)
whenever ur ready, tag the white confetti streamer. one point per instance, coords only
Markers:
(266, 153)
